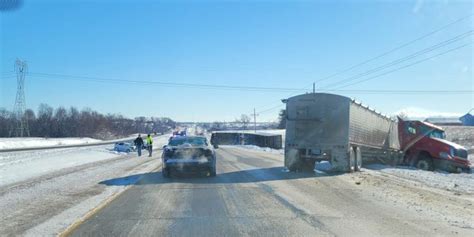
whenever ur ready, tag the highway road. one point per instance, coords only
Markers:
(253, 195)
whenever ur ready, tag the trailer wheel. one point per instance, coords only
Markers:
(294, 166)
(309, 165)
(358, 159)
(352, 159)
(212, 172)
(165, 172)
(424, 162)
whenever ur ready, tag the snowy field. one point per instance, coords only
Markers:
(10, 143)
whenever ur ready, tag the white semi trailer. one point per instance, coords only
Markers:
(334, 128)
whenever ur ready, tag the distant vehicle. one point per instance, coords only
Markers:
(188, 154)
(334, 128)
(145, 145)
(179, 133)
(124, 147)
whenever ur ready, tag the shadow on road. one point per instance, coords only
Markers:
(241, 176)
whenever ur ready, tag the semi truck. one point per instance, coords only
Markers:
(342, 131)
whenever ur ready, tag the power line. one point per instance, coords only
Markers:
(390, 51)
(395, 48)
(395, 62)
(171, 84)
(406, 66)
(386, 92)
(271, 109)
(407, 91)
(266, 88)
(406, 58)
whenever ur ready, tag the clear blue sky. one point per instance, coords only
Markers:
(242, 43)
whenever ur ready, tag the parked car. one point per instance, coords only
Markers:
(124, 147)
(188, 154)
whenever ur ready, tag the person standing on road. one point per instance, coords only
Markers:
(149, 141)
(139, 144)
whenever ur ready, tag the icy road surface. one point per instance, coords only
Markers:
(252, 195)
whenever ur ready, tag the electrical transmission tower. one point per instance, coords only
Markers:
(20, 128)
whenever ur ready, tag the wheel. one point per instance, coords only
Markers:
(358, 159)
(351, 160)
(128, 150)
(294, 166)
(309, 165)
(424, 162)
(212, 172)
(165, 172)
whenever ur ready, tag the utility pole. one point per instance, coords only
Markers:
(254, 120)
(20, 128)
(314, 87)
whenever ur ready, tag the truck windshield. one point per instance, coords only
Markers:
(432, 132)
(437, 134)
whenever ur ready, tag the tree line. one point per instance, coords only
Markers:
(71, 122)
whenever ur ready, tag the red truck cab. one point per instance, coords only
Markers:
(425, 147)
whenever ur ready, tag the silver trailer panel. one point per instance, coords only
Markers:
(369, 128)
(318, 118)
(323, 126)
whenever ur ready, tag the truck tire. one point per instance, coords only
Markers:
(212, 172)
(165, 172)
(352, 161)
(294, 166)
(424, 162)
(309, 165)
(358, 159)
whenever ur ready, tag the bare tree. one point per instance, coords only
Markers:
(244, 120)
(62, 122)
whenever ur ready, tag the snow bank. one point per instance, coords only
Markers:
(17, 142)
(463, 182)
(257, 148)
(22, 165)
(270, 131)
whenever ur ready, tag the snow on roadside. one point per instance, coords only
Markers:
(463, 183)
(459, 183)
(22, 165)
(56, 187)
(19, 166)
(11, 143)
(262, 131)
(257, 148)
